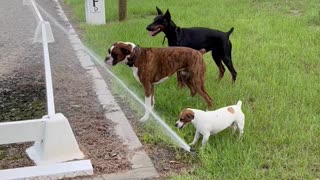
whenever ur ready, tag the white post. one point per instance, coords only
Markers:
(49, 89)
(45, 29)
(95, 12)
(36, 10)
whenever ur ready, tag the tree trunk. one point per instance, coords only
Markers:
(122, 9)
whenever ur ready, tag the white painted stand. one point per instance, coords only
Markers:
(53, 171)
(58, 143)
(54, 144)
(38, 34)
(95, 12)
(28, 130)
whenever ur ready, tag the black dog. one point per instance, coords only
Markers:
(197, 38)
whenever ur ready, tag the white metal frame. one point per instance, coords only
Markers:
(49, 89)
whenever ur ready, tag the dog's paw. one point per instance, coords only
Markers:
(240, 137)
(191, 144)
(203, 146)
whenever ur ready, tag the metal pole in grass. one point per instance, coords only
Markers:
(122, 9)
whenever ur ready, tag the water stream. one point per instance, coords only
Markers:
(99, 61)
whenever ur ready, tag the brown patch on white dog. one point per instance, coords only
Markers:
(230, 110)
(186, 116)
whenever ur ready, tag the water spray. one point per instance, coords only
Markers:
(180, 141)
(99, 61)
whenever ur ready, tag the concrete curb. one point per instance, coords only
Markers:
(142, 166)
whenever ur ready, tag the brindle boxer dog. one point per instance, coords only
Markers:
(154, 65)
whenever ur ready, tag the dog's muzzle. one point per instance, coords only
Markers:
(179, 124)
(108, 60)
(153, 30)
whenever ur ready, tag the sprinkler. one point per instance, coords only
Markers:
(192, 151)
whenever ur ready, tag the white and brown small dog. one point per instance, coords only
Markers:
(152, 66)
(212, 122)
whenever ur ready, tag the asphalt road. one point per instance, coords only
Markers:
(17, 27)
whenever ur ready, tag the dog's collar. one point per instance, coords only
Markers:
(164, 38)
(135, 54)
(176, 29)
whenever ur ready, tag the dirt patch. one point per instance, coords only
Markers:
(14, 156)
(94, 133)
(22, 97)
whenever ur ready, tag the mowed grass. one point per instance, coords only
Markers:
(276, 50)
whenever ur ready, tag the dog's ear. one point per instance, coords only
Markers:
(167, 15)
(125, 50)
(159, 11)
(190, 116)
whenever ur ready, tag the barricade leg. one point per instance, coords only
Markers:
(58, 143)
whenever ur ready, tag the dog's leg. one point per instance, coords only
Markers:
(234, 127)
(198, 81)
(148, 101)
(205, 95)
(184, 79)
(240, 125)
(240, 133)
(153, 102)
(228, 62)
(180, 80)
(193, 92)
(227, 59)
(195, 139)
(218, 60)
(148, 108)
(205, 139)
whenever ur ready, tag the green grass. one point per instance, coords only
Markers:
(276, 50)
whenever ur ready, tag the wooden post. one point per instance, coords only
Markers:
(122, 9)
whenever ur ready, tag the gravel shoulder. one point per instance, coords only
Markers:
(22, 86)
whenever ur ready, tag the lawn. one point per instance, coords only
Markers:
(276, 50)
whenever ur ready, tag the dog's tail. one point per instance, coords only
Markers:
(239, 104)
(202, 51)
(230, 31)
